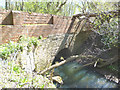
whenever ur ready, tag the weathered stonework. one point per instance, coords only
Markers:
(42, 56)
(16, 23)
(48, 49)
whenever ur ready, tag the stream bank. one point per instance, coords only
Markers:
(52, 48)
(89, 43)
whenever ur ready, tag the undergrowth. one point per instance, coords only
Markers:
(11, 74)
(7, 49)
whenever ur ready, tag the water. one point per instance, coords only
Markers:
(76, 77)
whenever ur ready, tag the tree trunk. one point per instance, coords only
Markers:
(6, 4)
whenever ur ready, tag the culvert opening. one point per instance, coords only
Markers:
(65, 53)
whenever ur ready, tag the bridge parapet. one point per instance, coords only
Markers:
(16, 23)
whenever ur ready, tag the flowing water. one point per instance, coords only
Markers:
(76, 77)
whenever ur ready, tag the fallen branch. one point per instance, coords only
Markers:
(71, 58)
(59, 64)
(109, 61)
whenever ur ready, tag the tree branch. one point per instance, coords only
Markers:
(71, 58)
(114, 12)
(59, 64)
(60, 6)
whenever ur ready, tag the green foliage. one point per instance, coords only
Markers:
(104, 24)
(7, 49)
(42, 86)
(17, 69)
(31, 41)
(13, 76)
(109, 30)
(40, 37)
(56, 7)
(34, 41)
(42, 7)
(95, 7)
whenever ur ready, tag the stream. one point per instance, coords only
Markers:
(76, 77)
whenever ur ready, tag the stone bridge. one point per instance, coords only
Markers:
(13, 24)
(59, 30)
(66, 36)
(16, 23)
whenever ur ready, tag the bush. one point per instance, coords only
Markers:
(7, 49)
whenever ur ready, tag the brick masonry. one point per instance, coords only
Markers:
(16, 23)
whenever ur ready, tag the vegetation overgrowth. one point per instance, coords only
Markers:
(7, 49)
(107, 26)
(12, 74)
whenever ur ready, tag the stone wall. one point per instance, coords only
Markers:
(16, 23)
(38, 58)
